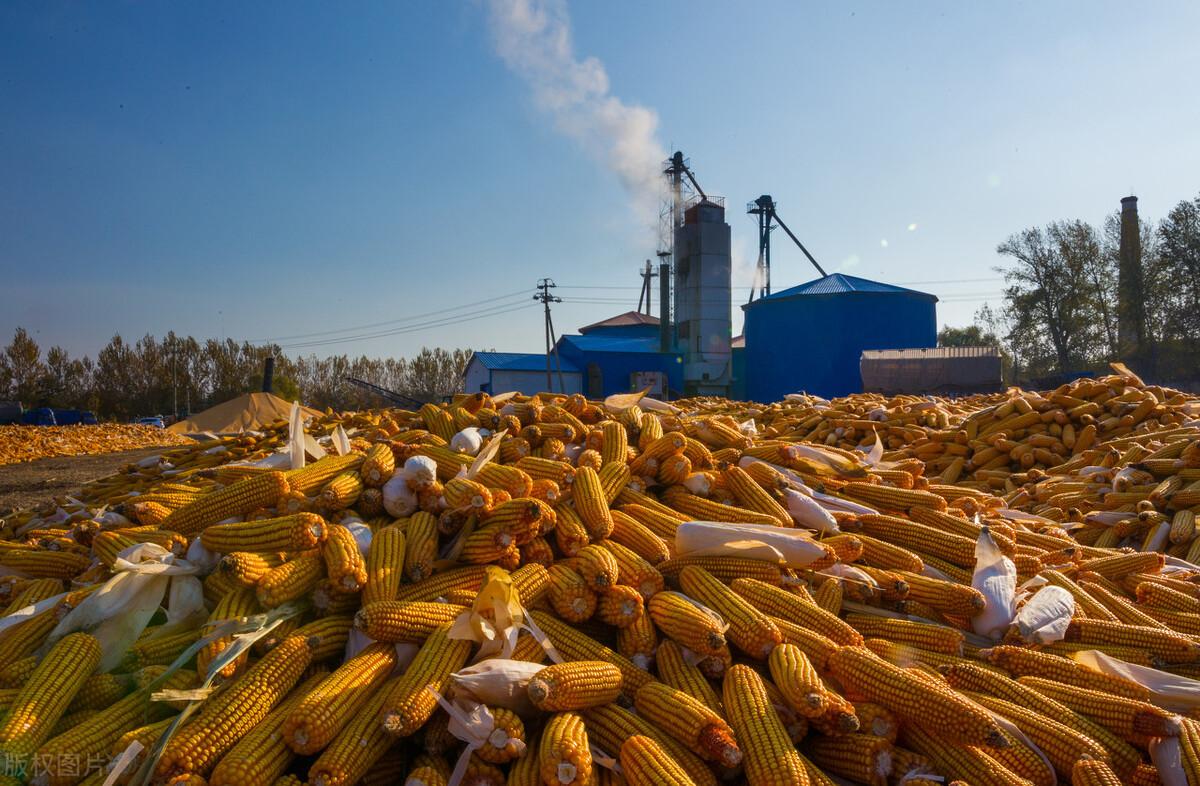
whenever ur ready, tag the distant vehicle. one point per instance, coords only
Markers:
(154, 421)
(74, 417)
(41, 416)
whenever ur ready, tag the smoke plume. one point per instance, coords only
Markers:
(533, 37)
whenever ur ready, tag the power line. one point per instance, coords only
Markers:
(398, 320)
(455, 320)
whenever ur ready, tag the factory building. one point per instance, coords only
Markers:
(809, 338)
(498, 372)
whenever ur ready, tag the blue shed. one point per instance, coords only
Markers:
(809, 338)
(615, 364)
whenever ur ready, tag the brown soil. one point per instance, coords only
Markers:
(32, 482)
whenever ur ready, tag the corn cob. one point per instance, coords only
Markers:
(861, 758)
(239, 603)
(703, 509)
(638, 641)
(608, 727)
(45, 698)
(727, 569)
(919, 538)
(926, 636)
(590, 503)
(408, 702)
(420, 547)
(690, 721)
(328, 707)
(878, 681)
(657, 518)
(798, 681)
(645, 763)
(1123, 716)
(298, 532)
(385, 565)
(750, 629)
(575, 685)
(413, 622)
(564, 757)
(158, 646)
(780, 603)
(245, 568)
(638, 538)
(573, 600)
(39, 564)
(256, 491)
(502, 743)
(291, 580)
(575, 646)
(198, 746)
(353, 752)
(344, 563)
(465, 578)
(768, 754)
(378, 465)
(676, 671)
(1092, 772)
(969, 763)
(1021, 662)
(342, 491)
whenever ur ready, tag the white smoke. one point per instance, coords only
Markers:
(533, 37)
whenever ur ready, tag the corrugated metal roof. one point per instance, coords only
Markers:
(840, 283)
(613, 344)
(628, 319)
(520, 361)
(930, 353)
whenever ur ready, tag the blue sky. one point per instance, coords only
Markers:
(292, 169)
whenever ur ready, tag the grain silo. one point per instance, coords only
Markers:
(809, 338)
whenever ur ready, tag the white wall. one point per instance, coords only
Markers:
(474, 376)
(530, 382)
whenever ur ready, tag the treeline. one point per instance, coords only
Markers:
(148, 376)
(1061, 311)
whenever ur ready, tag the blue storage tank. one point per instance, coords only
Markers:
(809, 338)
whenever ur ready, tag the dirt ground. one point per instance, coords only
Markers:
(31, 482)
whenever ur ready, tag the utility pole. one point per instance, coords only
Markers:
(645, 295)
(174, 377)
(544, 286)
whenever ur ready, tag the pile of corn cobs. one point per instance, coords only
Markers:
(518, 591)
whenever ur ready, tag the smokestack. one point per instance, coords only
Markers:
(268, 373)
(1131, 304)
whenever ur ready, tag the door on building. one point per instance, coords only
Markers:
(595, 381)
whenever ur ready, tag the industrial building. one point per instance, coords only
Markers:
(808, 338)
(937, 370)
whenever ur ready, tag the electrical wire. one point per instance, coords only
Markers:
(398, 320)
(446, 322)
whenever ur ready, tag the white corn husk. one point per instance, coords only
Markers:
(777, 545)
(498, 682)
(996, 577)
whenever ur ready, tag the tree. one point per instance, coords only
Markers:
(21, 369)
(1178, 271)
(969, 336)
(1052, 296)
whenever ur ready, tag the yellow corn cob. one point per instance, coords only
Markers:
(861, 758)
(158, 647)
(597, 566)
(645, 763)
(353, 752)
(968, 762)
(620, 606)
(689, 622)
(690, 721)
(1062, 745)
(291, 580)
(420, 547)
(232, 714)
(330, 634)
(608, 727)
(437, 421)
(328, 707)
(573, 600)
(257, 491)
(1092, 772)
(385, 565)
(409, 703)
(344, 563)
(590, 503)
(570, 534)
(575, 685)
(633, 571)
(413, 622)
(1168, 646)
(780, 603)
(956, 600)
(1122, 716)
(974, 677)
(752, 496)
(234, 605)
(926, 636)
(638, 641)
(876, 720)
(919, 538)
(615, 442)
(798, 681)
(727, 569)
(34, 591)
(574, 645)
(564, 758)
(247, 567)
(876, 680)
(1122, 609)
(1121, 565)
(560, 472)
(107, 545)
(707, 510)
(829, 596)
(1020, 662)
(465, 578)
(378, 466)
(638, 538)
(769, 756)
(674, 670)
(465, 493)
(547, 491)
(514, 480)
(659, 519)
(44, 564)
(342, 491)
(508, 732)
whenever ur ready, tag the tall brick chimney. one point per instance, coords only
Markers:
(1131, 303)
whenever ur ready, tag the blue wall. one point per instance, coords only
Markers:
(812, 343)
(616, 367)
